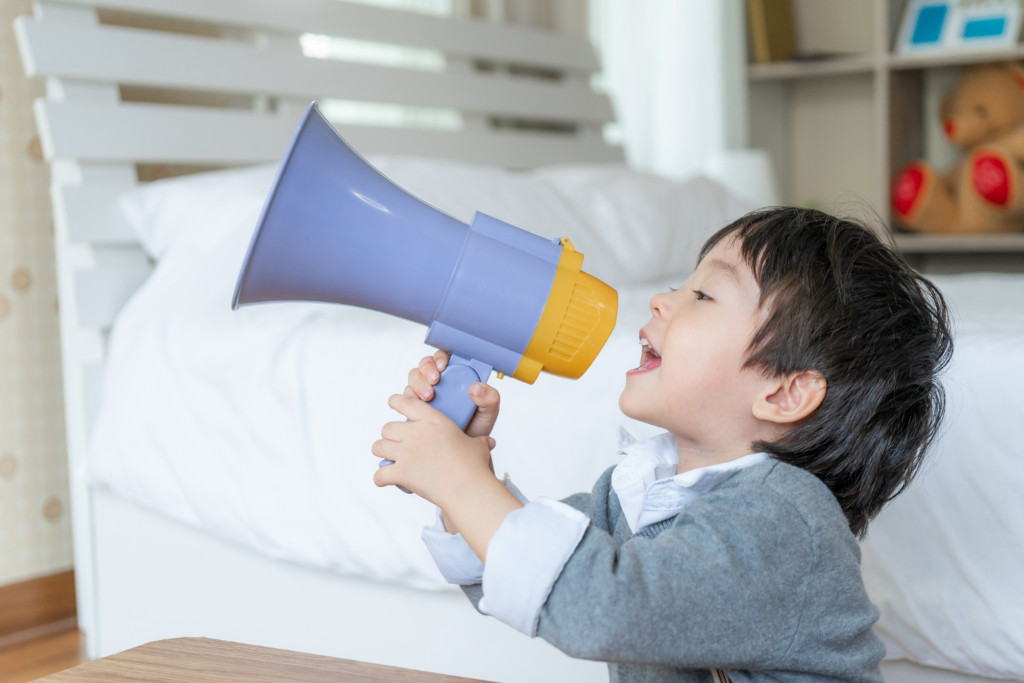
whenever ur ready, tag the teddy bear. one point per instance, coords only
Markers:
(984, 116)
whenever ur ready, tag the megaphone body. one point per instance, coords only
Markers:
(495, 296)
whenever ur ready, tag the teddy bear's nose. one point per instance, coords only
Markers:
(950, 127)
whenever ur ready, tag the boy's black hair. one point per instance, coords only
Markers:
(843, 303)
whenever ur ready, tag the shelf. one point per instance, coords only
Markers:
(790, 70)
(866, 64)
(946, 58)
(960, 244)
(839, 127)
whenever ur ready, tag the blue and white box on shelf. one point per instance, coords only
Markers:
(941, 25)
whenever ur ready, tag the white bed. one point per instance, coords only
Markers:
(221, 474)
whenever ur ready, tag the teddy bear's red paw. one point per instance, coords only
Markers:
(907, 189)
(991, 179)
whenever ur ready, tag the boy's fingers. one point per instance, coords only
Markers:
(426, 374)
(393, 431)
(428, 370)
(411, 407)
(385, 476)
(382, 449)
(423, 377)
(418, 386)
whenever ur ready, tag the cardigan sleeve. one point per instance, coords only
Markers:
(524, 559)
(583, 502)
(724, 583)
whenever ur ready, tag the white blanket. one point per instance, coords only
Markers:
(945, 560)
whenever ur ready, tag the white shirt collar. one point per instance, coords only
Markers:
(648, 488)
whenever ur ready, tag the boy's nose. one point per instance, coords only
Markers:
(659, 304)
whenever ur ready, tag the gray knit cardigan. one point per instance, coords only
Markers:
(760, 577)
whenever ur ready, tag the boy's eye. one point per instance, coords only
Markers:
(701, 296)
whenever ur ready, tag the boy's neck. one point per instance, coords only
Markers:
(692, 458)
(694, 454)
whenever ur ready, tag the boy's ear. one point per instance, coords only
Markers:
(791, 398)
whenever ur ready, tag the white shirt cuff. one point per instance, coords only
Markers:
(454, 558)
(525, 558)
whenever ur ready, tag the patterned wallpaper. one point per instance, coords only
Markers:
(35, 532)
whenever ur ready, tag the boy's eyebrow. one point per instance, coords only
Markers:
(728, 268)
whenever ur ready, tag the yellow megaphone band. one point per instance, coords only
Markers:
(577, 320)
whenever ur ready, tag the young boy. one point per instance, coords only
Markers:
(795, 375)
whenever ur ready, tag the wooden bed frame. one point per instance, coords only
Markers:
(139, 89)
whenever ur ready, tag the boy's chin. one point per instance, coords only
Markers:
(628, 404)
(635, 403)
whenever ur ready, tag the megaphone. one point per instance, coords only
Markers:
(495, 296)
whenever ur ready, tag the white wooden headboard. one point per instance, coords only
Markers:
(134, 85)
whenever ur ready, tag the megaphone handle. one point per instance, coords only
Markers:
(451, 393)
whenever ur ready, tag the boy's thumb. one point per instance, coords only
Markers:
(483, 395)
(487, 399)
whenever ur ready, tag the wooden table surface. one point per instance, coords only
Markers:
(203, 660)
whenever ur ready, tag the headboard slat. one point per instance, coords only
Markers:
(470, 37)
(89, 214)
(140, 57)
(161, 133)
(101, 293)
(145, 132)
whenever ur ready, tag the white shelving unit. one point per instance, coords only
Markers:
(840, 128)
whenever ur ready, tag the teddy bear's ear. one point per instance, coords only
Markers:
(946, 106)
(1017, 69)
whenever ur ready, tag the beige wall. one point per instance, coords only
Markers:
(35, 531)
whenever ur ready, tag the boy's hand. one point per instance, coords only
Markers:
(435, 459)
(432, 456)
(423, 377)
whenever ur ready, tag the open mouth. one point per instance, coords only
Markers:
(649, 358)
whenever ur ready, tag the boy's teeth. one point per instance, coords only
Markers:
(649, 358)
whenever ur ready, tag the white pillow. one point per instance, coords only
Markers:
(632, 227)
(638, 227)
(196, 211)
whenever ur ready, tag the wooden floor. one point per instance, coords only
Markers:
(32, 659)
